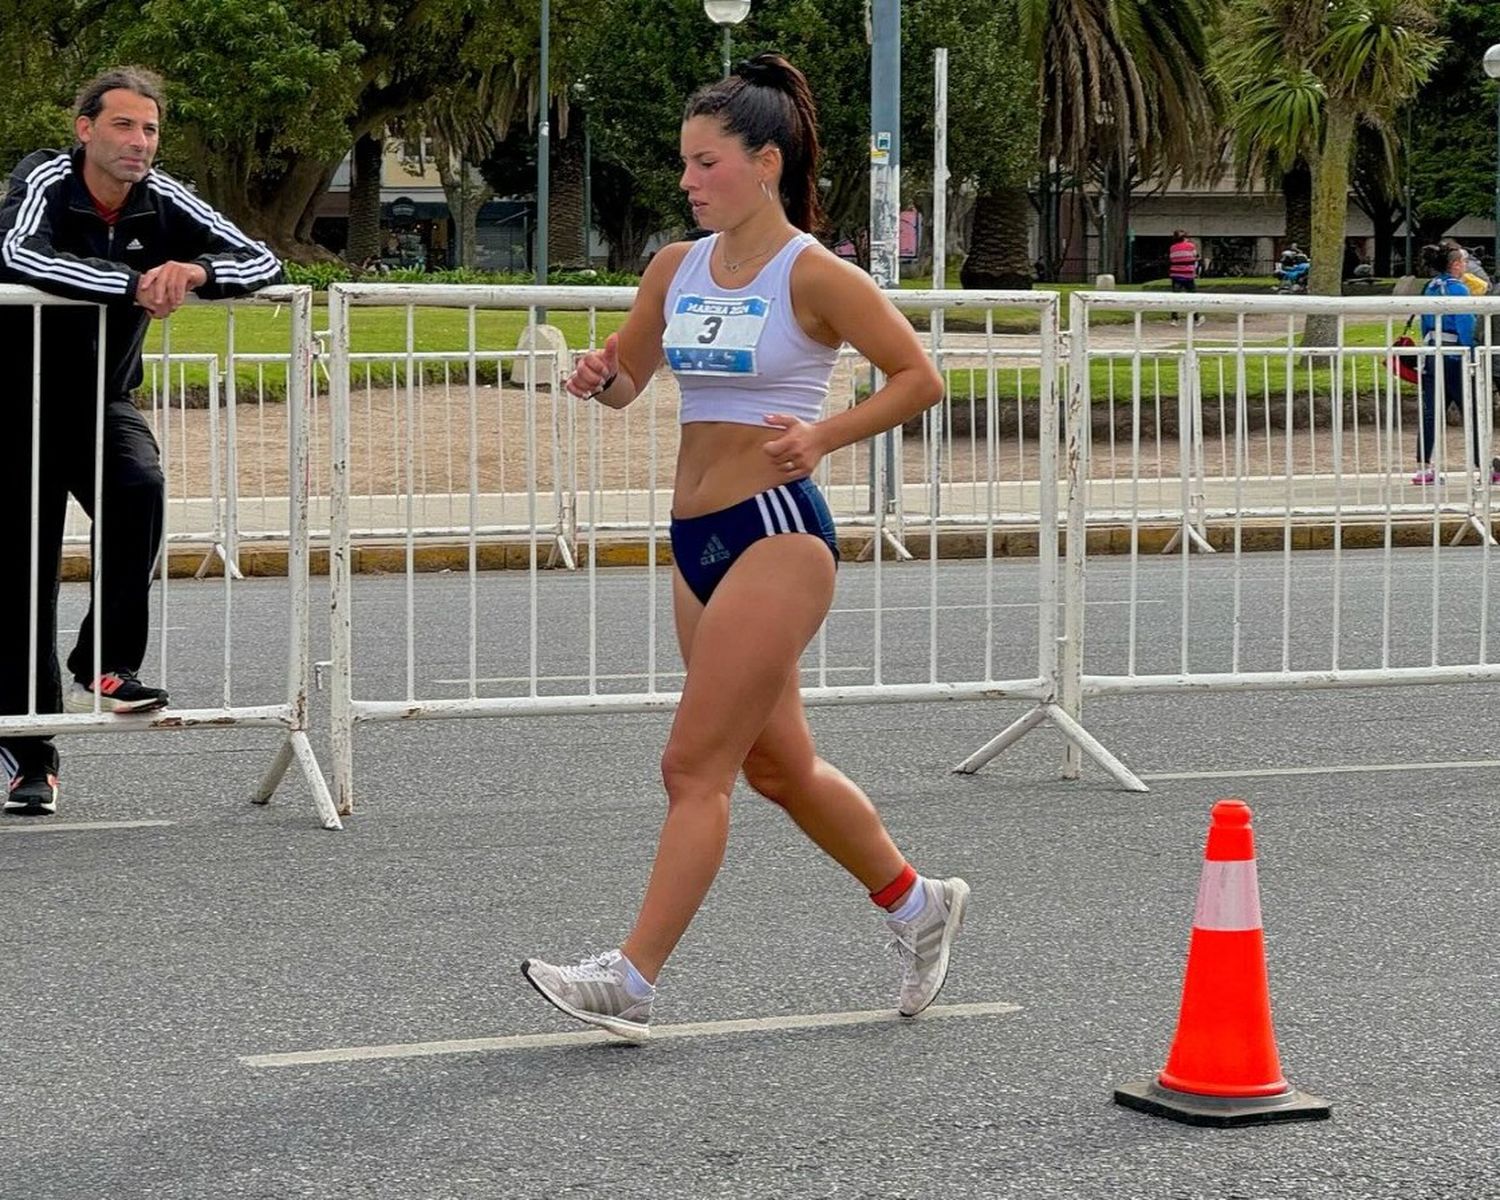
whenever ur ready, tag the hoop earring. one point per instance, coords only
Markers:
(765, 191)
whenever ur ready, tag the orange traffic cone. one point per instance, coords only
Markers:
(1223, 1068)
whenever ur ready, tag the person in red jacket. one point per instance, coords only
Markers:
(97, 223)
(1183, 267)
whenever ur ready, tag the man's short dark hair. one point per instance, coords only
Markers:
(90, 102)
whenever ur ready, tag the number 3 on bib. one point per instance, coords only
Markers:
(715, 335)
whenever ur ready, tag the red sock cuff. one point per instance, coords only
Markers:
(897, 887)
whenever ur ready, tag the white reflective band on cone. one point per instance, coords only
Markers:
(1228, 897)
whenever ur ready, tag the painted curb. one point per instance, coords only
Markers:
(429, 557)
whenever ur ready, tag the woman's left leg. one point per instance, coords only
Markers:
(744, 645)
(784, 767)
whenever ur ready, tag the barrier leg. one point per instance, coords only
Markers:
(219, 551)
(1075, 734)
(298, 748)
(1090, 745)
(891, 542)
(1473, 522)
(322, 799)
(1196, 541)
(273, 776)
(1007, 737)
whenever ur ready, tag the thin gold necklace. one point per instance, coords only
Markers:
(733, 267)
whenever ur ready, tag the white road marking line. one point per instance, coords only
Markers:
(942, 608)
(42, 825)
(547, 1041)
(1355, 769)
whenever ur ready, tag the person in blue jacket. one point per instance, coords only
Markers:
(1454, 334)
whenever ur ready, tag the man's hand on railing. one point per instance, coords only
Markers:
(162, 289)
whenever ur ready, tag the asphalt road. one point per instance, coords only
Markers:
(144, 964)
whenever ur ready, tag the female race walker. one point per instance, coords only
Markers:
(750, 320)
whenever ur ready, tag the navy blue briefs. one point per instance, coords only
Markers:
(704, 548)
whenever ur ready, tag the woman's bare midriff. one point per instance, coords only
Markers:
(720, 464)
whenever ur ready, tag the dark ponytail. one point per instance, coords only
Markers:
(1437, 258)
(766, 100)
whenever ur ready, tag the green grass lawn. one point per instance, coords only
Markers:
(258, 329)
(1265, 371)
(264, 329)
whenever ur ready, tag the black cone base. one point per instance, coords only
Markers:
(1190, 1109)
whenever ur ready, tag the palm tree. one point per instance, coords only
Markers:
(1302, 76)
(1121, 86)
(462, 123)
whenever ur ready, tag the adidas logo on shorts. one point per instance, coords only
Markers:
(713, 552)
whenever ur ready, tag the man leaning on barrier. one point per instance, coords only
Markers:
(96, 223)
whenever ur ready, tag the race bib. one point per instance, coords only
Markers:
(715, 335)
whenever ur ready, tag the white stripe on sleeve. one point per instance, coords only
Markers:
(28, 220)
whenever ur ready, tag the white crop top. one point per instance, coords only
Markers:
(738, 353)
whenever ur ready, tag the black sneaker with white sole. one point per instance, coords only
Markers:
(119, 692)
(32, 793)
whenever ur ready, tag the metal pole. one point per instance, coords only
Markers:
(588, 194)
(1407, 165)
(885, 143)
(543, 155)
(939, 258)
(1496, 252)
(885, 182)
(939, 181)
(726, 50)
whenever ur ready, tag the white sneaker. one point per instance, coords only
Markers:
(923, 943)
(593, 991)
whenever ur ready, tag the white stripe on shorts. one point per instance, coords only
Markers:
(776, 508)
(791, 506)
(765, 514)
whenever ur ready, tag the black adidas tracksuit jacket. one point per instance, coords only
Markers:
(52, 238)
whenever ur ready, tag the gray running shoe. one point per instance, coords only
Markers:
(594, 992)
(923, 944)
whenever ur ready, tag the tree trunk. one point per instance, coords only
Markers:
(279, 208)
(1296, 190)
(1121, 188)
(624, 222)
(466, 193)
(1330, 208)
(999, 250)
(565, 246)
(364, 200)
(303, 231)
(1385, 240)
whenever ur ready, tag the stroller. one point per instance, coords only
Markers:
(1291, 273)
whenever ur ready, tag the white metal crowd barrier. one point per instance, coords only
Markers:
(1255, 621)
(211, 703)
(1262, 427)
(943, 473)
(508, 648)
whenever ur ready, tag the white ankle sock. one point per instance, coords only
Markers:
(635, 982)
(910, 908)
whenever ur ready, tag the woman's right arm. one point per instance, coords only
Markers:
(615, 373)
